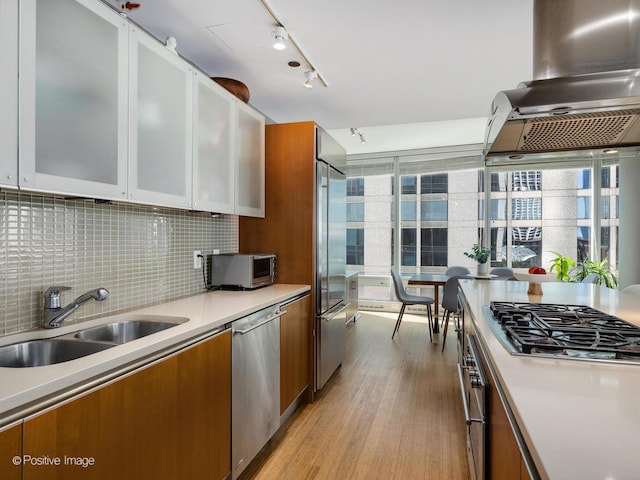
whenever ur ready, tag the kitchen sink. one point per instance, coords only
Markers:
(37, 353)
(41, 352)
(125, 331)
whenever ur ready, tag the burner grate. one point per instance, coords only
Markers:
(572, 330)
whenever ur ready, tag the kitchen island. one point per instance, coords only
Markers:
(579, 419)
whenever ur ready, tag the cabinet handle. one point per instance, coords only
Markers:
(267, 320)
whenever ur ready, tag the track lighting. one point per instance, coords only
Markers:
(280, 35)
(309, 77)
(354, 131)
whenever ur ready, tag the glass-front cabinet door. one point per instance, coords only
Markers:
(73, 102)
(213, 147)
(249, 162)
(9, 93)
(160, 141)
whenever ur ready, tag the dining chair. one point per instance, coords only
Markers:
(408, 299)
(457, 270)
(632, 289)
(450, 304)
(502, 272)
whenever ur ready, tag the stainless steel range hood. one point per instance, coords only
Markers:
(586, 95)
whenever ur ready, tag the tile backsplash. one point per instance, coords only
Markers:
(141, 254)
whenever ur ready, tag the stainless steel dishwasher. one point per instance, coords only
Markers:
(255, 384)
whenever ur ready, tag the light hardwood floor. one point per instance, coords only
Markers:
(392, 411)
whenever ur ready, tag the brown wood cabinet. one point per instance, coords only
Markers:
(288, 227)
(10, 448)
(295, 328)
(504, 456)
(168, 420)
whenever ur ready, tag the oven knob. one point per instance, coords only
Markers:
(469, 361)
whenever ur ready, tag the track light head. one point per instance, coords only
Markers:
(280, 34)
(362, 139)
(309, 77)
(353, 131)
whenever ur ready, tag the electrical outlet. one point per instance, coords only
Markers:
(197, 259)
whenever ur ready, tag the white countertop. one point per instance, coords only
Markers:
(206, 312)
(580, 419)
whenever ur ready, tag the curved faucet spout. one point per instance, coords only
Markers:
(98, 295)
(54, 315)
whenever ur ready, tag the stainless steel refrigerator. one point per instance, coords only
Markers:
(331, 302)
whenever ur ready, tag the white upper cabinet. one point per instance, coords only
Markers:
(160, 140)
(9, 93)
(73, 102)
(213, 147)
(249, 162)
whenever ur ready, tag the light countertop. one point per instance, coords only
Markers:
(580, 419)
(206, 312)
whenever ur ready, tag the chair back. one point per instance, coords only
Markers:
(632, 289)
(450, 293)
(457, 270)
(591, 278)
(398, 285)
(502, 272)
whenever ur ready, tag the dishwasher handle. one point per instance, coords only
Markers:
(278, 314)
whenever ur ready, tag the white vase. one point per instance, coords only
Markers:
(483, 269)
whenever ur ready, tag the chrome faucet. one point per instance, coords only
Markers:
(54, 314)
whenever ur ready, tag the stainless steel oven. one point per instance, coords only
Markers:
(475, 398)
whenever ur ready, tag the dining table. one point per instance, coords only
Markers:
(437, 280)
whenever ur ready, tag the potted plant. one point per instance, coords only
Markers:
(603, 275)
(562, 266)
(481, 256)
(567, 270)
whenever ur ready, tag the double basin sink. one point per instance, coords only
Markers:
(48, 351)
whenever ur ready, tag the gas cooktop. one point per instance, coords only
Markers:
(569, 331)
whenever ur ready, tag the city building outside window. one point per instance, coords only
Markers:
(355, 246)
(533, 212)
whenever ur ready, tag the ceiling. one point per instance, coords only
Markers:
(391, 67)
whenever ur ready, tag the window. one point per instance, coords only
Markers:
(355, 212)
(435, 183)
(605, 243)
(433, 210)
(526, 208)
(605, 207)
(584, 179)
(408, 211)
(355, 187)
(583, 243)
(355, 246)
(409, 184)
(584, 207)
(433, 247)
(533, 211)
(605, 177)
(408, 251)
(528, 181)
